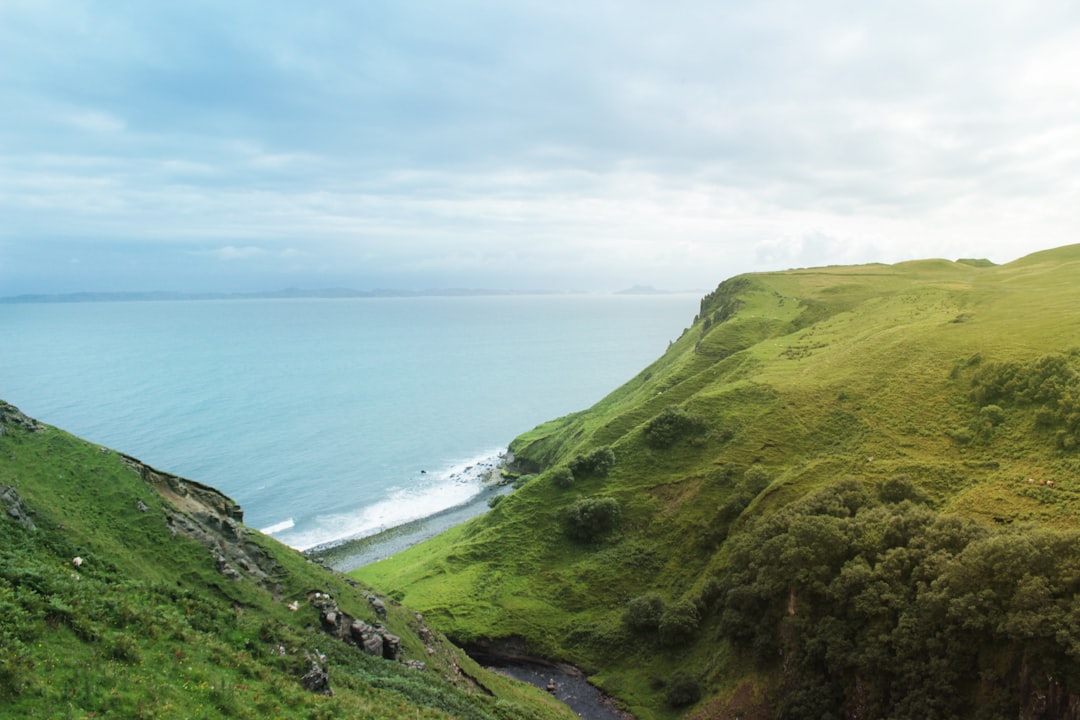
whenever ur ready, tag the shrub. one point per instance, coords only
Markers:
(670, 426)
(522, 480)
(755, 479)
(683, 689)
(590, 519)
(599, 462)
(678, 623)
(711, 592)
(961, 435)
(898, 489)
(562, 478)
(494, 501)
(643, 612)
(992, 414)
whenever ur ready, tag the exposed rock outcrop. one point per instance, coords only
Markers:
(14, 507)
(12, 416)
(373, 639)
(317, 678)
(207, 515)
(1046, 698)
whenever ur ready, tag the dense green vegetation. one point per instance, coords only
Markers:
(883, 607)
(842, 492)
(107, 609)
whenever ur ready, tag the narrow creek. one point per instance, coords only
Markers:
(565, 682)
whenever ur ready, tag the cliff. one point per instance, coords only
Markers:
(844, 491)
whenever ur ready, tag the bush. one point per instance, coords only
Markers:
(562, 478)
(961, 435)
(522, 480)
(1050, 384)
(494, 501)
(992, 415)
(683, 689)
(898, 489)
(590, 519)
(643, 612)
(670, 426)
(679, 623)
(755, 480)
(599, 462)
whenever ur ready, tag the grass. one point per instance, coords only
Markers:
(811, 376)
(146, 626)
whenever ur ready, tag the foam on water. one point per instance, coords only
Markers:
(429, 494)
(279, 527)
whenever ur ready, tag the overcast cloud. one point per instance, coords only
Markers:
(563, 145)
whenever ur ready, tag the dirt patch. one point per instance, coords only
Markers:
(748, 701)
(673, 496)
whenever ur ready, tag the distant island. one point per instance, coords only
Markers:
(643, 290)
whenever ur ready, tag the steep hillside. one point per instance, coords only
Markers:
(843, 492)
(129, 592)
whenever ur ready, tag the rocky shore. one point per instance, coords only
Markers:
(351, 554)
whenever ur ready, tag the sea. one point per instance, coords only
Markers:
(328, 419)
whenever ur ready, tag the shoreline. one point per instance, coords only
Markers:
(348, 555)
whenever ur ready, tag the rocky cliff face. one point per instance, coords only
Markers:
(212, 518)
(11, 416)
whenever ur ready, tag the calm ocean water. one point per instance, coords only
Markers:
(327, 419)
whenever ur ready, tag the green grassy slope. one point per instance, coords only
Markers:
(147, 624)
(810, 428)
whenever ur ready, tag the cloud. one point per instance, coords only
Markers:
(95, 121)
(230, 253)
(604, 143)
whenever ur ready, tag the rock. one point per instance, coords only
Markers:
(11, 501)
(141, 506)
(368, 638)
(377, 605)
(317, 679)
(10, 415)
(373, 645)
(391, 645)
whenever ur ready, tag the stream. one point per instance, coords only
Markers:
(565, 682)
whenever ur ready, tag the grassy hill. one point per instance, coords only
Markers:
(843, 492)
(129, 592)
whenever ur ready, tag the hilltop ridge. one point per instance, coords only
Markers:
(835, 479)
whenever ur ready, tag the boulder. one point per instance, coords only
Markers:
(377, 605)
(13, 504)
(369, 638)
(317, 679)
(391, 645)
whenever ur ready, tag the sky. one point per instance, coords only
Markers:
(586, 145)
